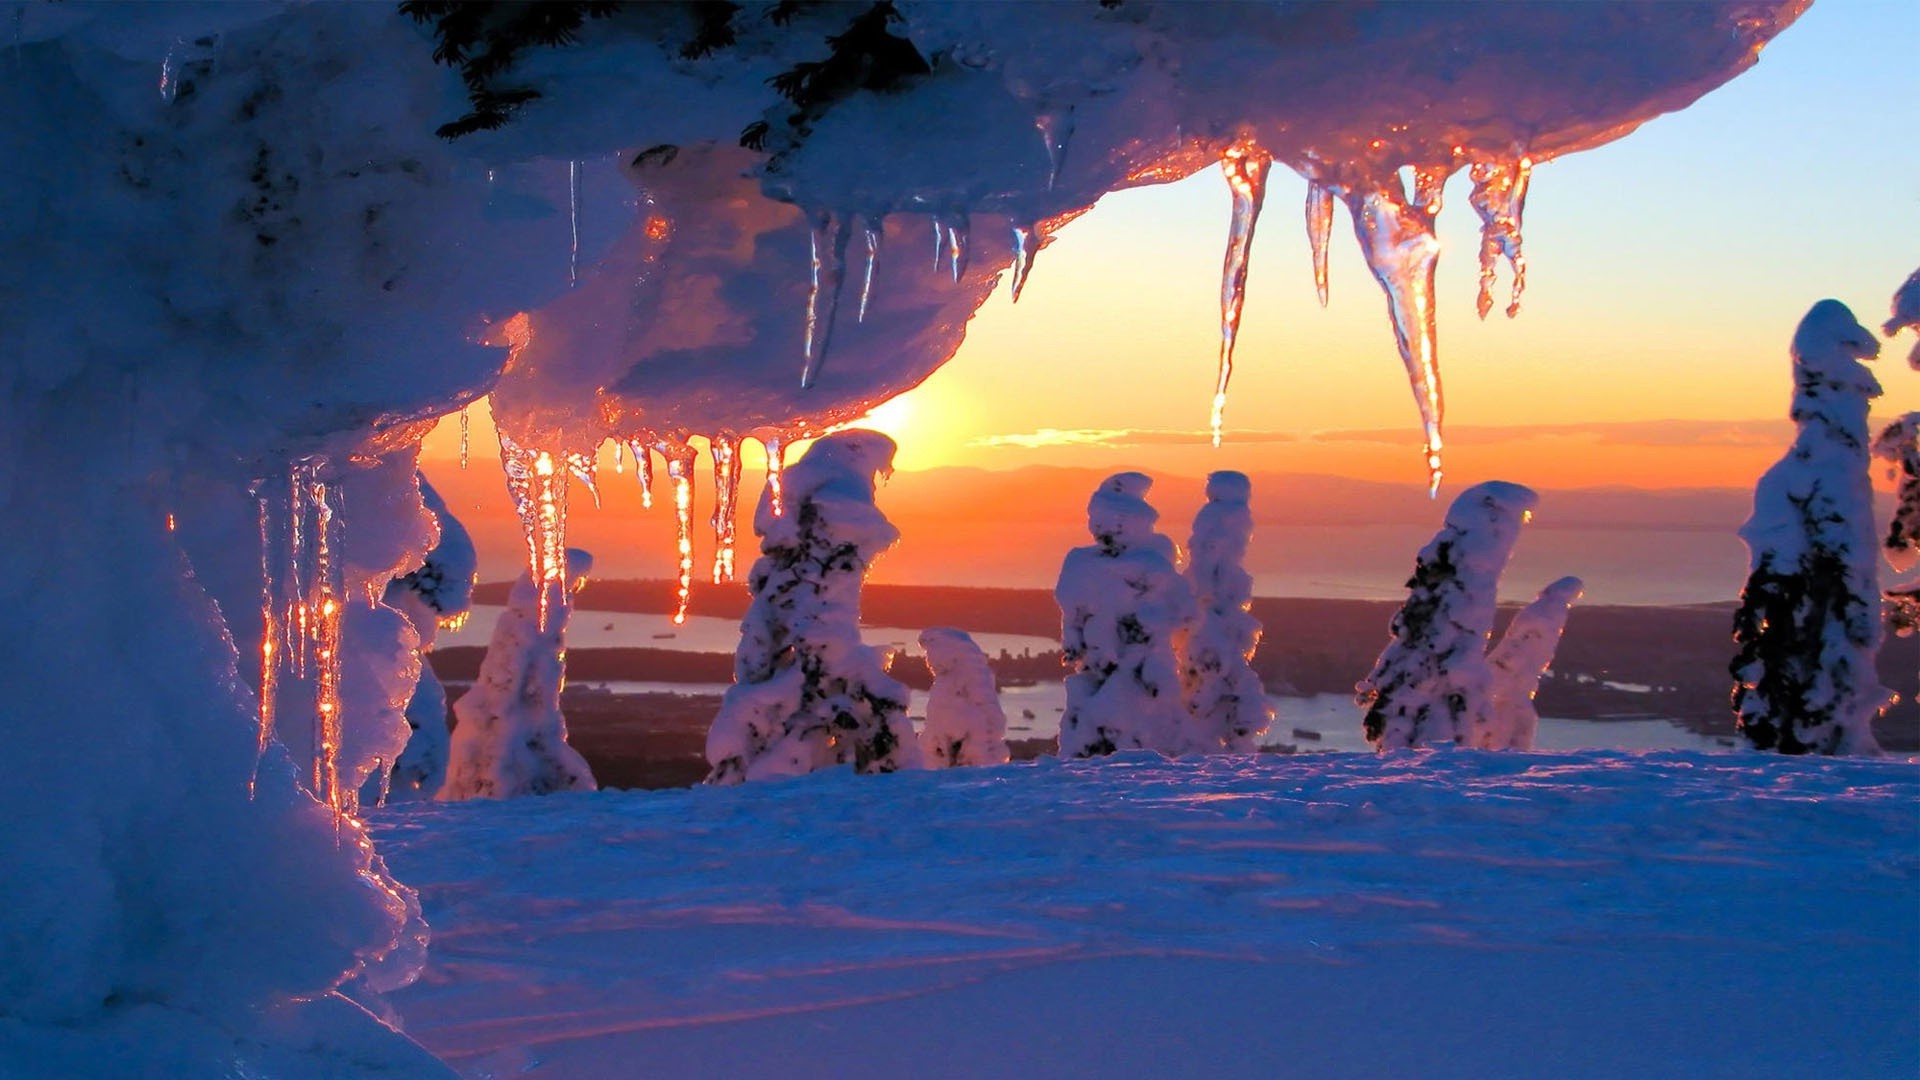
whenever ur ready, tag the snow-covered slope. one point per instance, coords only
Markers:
(1436, 914)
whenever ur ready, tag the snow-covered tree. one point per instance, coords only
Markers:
(1808, 626)
(437, 594)
(1524, 654)
(1122, 606)
(1906, 313)
(1432, 683)
(509, 737)
(807, 692)
(1223, 693)
(965, 723)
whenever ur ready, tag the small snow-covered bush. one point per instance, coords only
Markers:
(1524, 653)
(1432, 684)
(1223, 693)
(807, 693)
(509, 737)
(1808, 625)
(965, 724)
(1122, 605)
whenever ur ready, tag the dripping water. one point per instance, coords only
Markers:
(1246, 168)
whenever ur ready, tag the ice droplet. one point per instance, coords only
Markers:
(1245, 165)
(1500, 198)
(1401, 249)
(874, 227)
(680, 461)
(725, 449)
(1319, 231)
(573, 224)
(776, 449)
(1026, 242)
(823, 296)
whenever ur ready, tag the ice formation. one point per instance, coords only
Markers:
(509, 736)
(1221, 689)
(1906, 314)
(1122, 608)
(807, 693)
(1524, 654)
(1432, 684)
(1808, 625)
(965, 723)
(436, 595)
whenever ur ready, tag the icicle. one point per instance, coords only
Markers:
(1500, 198)
(874, 228)
(582, 466)
(538, 487)
(957, 246)
(680, 461)
(1246, 166)
(823, 298)
(271, 633)
(1026, 242)
(619, 457)
(463, 436)
(939, 241)
(1056, 130)
(776, 449)
(726, 494)
(325, 604)
(643, 472)
(1401, 249)
(170, 73)
(385, 773)
(573, 222)
(299, 618)
(1319, 231)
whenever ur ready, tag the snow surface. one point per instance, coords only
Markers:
(1438, 914)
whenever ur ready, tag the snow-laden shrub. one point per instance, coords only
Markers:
(1808, 625)
(1524, 654)
(1225, 696)
(807, 693)
(1122, 606)
(965, 723)
(438, 593)
(1432, 684)
(509, 737)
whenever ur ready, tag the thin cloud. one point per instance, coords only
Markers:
(1670, 433)
(1121, 437)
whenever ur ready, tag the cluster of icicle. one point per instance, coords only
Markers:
(301, 603)
(1395, 229)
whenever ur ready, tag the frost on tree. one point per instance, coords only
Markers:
(1225, 696)
(1808, 625)
(1122, 607)
(807, 693)
(965, 723)
(1432, 684)
(1524, 654)
(439, 594)
(509, 737)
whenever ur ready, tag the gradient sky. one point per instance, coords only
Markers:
(1666, 273)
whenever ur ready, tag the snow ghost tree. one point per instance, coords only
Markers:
(1524, 654)
(807, 693)
(1223, 693)
(1432, 684)
(437, 595)
(1899, 445)
(1808, 625)
(509, 737)
(1906, 314)
(965, 723)
(1122, 606)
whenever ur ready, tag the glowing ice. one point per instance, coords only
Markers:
(1319, 231)
(725, 450)
(1026, 242)
(1246, 167)
(1398, 242)
(680, 460)
(1500, 198)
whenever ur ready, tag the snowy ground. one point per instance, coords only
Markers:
(1446, 914)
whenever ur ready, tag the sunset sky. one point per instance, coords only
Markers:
(1667, 272)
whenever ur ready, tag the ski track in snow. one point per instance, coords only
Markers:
(1431, 913)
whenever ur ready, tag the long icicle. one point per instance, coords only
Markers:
(1401, 249)
(1319, 231)
(327, 579)
(573, 223)
(298, 556)
(776, 449)
(537, 485)
(1245, 165)
(874, 229)
(271, 631)
(725, 450)
(680, 460)
(823, 297)
(1500, 198)
(463, 437)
